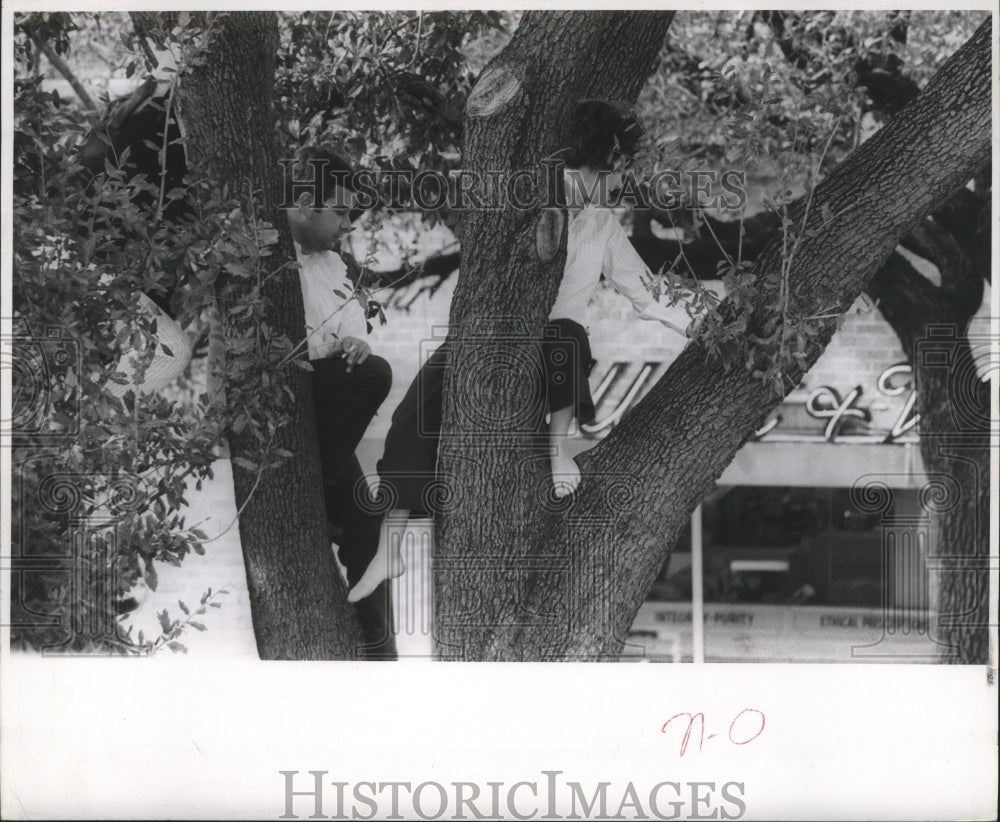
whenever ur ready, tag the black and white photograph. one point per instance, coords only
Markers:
(660, 343)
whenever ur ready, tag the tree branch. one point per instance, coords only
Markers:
(688, 427)
(63, 68)
(905, 298)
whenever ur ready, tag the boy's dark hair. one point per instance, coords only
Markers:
(338, 171)
(601, 130)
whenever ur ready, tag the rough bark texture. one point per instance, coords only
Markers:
(523, 577)
(954, 404)
(297, 596)
(492, 464)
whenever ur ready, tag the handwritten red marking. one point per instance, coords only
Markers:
(745, 735)
(760, 730)
(687, 731)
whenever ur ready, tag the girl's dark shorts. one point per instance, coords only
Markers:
(409, 464)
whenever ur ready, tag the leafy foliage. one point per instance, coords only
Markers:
(389, 87)
(782, 97)
(84, 249)
(53, 28)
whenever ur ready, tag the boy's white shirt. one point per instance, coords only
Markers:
(329, 316)
(597, 243)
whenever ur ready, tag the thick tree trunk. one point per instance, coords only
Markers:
(297, 596)
(512, 261)
(521, 578)
(954, 405)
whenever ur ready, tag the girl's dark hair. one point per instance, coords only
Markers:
(602, 129)
(135, 123)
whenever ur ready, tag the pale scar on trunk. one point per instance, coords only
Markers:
(548, 231)
(495, 89)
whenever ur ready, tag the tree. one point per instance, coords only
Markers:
(571, 577)
(930, 321)
(297, 596)
(521, 575)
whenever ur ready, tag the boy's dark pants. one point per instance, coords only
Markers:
(345, 403)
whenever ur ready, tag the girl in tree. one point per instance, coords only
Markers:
(604, 135)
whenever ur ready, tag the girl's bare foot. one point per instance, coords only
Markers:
(565, 471)
(565, 474)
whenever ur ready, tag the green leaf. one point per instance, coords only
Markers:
(150, 576)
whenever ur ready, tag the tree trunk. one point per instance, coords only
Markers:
(297, 596)
(520, 576)
(954, 405)
(517, 114)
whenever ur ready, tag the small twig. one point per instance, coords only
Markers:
(711, 231)
(739, 243)
(276, 271)
(809, 198)
(163, 151)
(420, 31)
(236, 519)
(246, 502)
(304, 342)
(256, 243)
(166, 637)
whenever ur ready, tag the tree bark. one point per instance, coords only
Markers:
(297, 596)
(512, 262)
(954, 406)
(520, 576)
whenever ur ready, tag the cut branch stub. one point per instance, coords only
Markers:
(548, 233)
(496, 87)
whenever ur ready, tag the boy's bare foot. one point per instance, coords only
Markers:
(565, 474)
(386, 564)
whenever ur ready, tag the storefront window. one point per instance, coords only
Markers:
(785, 545)
(796, 573)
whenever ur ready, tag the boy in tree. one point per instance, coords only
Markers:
(349, 382)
